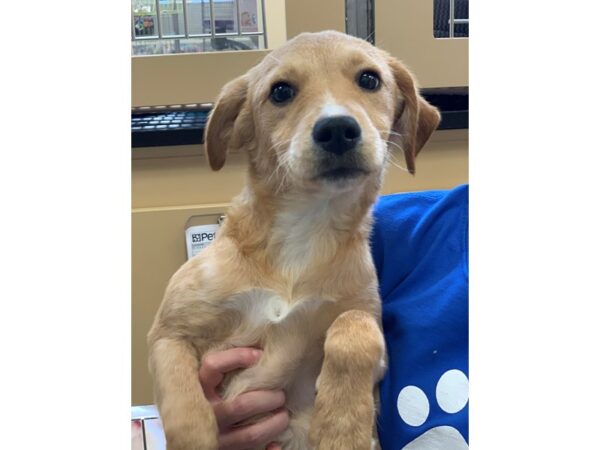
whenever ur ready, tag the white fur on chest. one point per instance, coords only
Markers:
(308, 230)
(300, 230)
(262, 307)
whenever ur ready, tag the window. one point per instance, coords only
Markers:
(191, 26)
(451, 18)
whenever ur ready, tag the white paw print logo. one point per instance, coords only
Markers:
(452, 395)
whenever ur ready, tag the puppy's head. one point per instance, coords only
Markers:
(319, 113)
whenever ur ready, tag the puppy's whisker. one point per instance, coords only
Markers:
(286, 170)
(390, 132)
(279, 144)
(280, 161)
(395, 145)
(391, 158)
(393, 133)
(395, 163)
(281, 169)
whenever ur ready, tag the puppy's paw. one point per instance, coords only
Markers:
(354, 340)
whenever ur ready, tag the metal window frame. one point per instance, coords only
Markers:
(453, 21)
(360, 19)
(159, 35)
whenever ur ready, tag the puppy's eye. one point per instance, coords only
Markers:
(282, 92)
(368, 80)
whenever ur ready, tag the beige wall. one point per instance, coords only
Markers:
(170, 185)
(315, 15)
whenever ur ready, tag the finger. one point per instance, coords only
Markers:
(216, 365)
(247, 405)
(255, 435)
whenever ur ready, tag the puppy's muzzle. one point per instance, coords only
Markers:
(337, 134)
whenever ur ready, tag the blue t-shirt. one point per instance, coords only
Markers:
(420, 249)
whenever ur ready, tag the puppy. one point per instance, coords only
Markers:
(291, 271)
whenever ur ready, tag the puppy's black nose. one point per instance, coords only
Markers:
(336, 134)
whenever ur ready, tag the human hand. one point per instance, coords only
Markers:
(229, 413)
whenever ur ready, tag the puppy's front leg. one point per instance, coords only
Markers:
(344, 413)
(187, 416)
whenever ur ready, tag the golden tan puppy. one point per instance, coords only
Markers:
(291, 271)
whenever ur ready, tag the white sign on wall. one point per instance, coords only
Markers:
(199, 237)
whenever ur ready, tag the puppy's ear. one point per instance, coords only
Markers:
(228, 125)
(415, 119)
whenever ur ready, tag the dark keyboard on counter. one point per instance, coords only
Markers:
(161, 128)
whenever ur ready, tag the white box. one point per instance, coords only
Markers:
(146, 429)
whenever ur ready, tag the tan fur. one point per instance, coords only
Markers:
(290, 270)
(345, 407)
